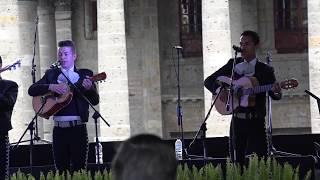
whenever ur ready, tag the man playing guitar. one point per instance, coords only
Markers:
(249, 121)
(70, 137)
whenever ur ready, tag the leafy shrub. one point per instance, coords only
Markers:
(256, 170)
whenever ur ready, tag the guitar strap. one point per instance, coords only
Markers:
(76, 99)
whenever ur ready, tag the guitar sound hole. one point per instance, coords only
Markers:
(224, 96)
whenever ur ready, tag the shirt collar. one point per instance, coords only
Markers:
(71, 69)
(253, 62)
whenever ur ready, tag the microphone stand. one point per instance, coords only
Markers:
(269, 126)
(229, 105)
(272, 152)
(33, 74)
(203, 129)
(179, 112)
(315, 97)
(31, 129)
(34, 122)
(271, 149)
(95, 115)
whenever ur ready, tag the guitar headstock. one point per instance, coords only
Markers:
(289, 84)
(12, 66)
(99, 77)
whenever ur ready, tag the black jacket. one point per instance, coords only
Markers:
(263, 72)
(8, 97)
(41, 87)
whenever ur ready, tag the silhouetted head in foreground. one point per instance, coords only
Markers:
(144, 157)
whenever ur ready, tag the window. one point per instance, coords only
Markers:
(90, 19)
(94, 15)
(191, 27)
(291, 26)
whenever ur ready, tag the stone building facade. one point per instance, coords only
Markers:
(132, 41)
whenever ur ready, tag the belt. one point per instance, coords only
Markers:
(66, 124)
(242, 115)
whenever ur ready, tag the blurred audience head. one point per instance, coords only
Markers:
(144, 157)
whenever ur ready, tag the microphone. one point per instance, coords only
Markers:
(178, 47)
(236, 48)
(55, 65)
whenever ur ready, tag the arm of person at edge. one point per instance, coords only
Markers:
(210, 82)
(8, 97)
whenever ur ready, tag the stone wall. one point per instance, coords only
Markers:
(314, 56)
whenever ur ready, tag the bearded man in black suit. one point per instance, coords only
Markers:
(70, 136)
(8, 97)
(248, 122)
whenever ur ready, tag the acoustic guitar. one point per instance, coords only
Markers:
(244, 89)
(53, 102)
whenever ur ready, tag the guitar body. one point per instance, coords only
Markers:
(53, 103)
(245, 89)
(243, 101)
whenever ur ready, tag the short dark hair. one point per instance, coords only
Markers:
(67, 43)
(254, 36)
(144, 157)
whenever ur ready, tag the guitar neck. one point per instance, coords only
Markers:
(257, 89)
(3, 69)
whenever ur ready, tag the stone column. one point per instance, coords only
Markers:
(314, 63)
(236, 21)
(144, 67)
(216, 52)
(63, 20)
(249, 15)
(23, 33)
(47, 51)
(112, 58)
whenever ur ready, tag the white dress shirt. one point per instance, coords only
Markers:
(246, 68)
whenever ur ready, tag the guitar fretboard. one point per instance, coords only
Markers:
(257, 89)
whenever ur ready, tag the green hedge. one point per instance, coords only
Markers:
(256, 170)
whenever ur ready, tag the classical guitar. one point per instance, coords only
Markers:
(53, 102)
(245, 89)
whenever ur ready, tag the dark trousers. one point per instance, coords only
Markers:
(249, 137)
(70, 148)
(4, 156)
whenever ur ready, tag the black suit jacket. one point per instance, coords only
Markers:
(41, 87)
(8, 97)
(263, 72)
